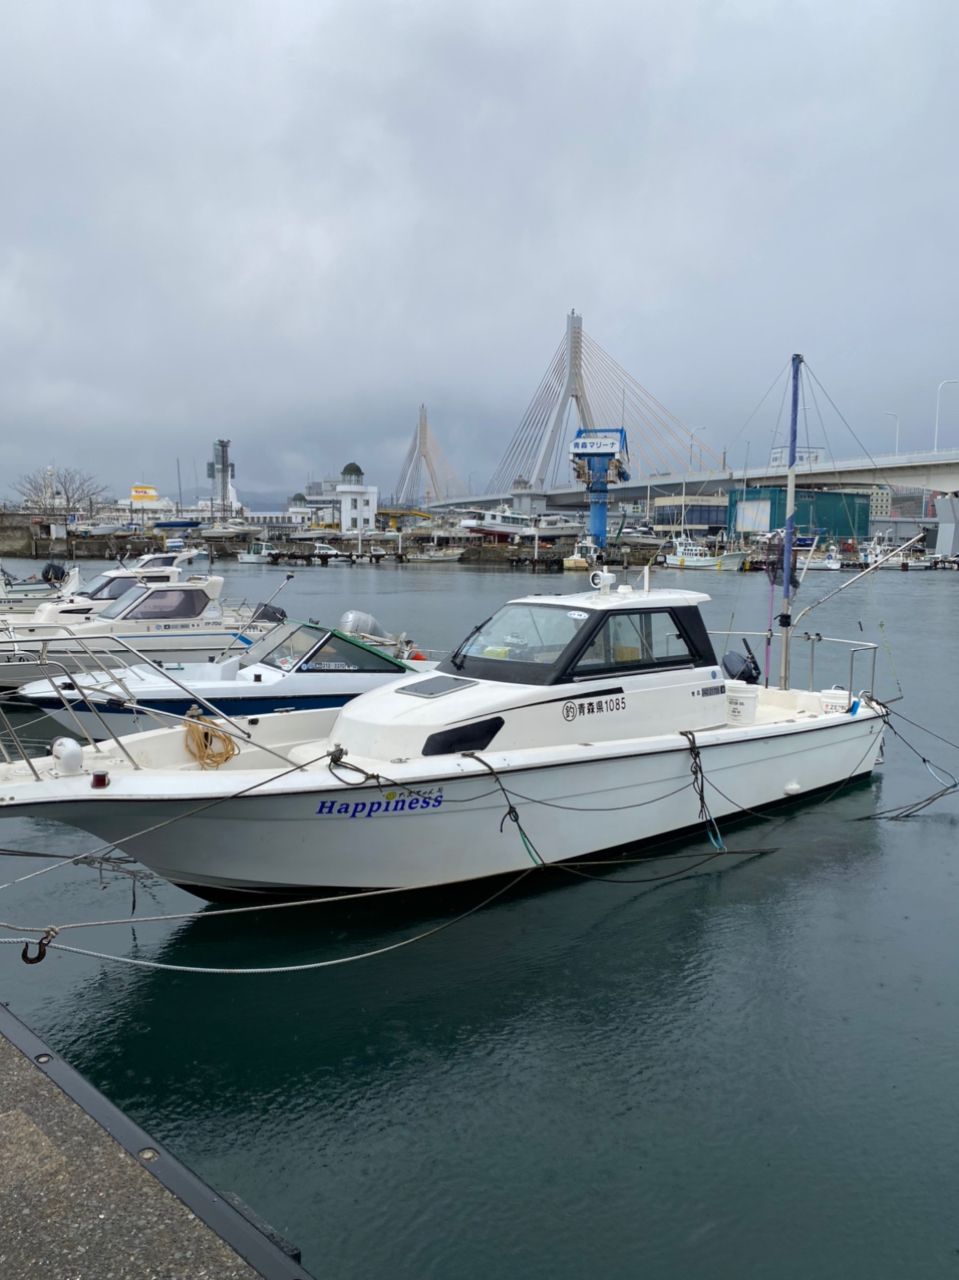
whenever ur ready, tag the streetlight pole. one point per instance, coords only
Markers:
(945, 383)
(889, 414)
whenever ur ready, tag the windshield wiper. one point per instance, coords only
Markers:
(462, 645)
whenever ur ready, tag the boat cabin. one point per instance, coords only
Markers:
(541, 641)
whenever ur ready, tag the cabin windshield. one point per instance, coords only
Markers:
(106, 587)
(120, 603)
(310, 649)
(526, 633)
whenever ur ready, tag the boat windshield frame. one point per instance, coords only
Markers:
(370, 660)
(687, 620)
(99, 587)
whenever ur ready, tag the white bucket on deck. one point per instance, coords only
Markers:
(741, 706)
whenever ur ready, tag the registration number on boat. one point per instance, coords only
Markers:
(593, 707)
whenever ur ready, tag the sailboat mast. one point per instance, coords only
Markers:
(785, 618)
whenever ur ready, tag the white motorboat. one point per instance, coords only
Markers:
(299, 666)
(54, 583)
(504, 521)
(326, 551)
(688, 554)
(578, 716)
(585, 555)
(173, 621)
(225, 530)
(83, 601)
(429, 553)
(259, 553)
(830, 562)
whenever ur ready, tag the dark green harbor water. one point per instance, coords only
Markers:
(749, 1072)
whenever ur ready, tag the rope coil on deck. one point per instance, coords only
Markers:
(208, 744)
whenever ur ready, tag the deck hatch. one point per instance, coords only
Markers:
(435, 687)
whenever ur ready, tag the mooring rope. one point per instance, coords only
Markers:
(699, 784)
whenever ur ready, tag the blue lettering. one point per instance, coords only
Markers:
(326, 806)
(399, 806)
(413, 804)
(437, 801)
(359, 807)
(342, 808)
(375, 807)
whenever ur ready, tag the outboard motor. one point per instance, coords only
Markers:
(356, 623)
(742, 666)
(53, 572)
(268, 613)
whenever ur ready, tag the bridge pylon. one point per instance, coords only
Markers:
(426, 474)
(583, 376)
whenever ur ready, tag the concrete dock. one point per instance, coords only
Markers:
(85, 1194)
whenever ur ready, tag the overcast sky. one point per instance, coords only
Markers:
(289, 222)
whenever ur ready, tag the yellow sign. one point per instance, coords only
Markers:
(143, 493)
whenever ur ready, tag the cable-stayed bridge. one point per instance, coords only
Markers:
(584, 386)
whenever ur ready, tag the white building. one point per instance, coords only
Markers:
(358, 501)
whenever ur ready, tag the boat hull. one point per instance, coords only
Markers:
(445, 824)
(730, 561)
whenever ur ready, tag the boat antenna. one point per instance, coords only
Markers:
(785, 617)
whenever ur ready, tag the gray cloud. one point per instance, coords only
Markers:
(291, 223)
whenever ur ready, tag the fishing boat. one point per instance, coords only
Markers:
(429, 553)
(299, 666)
(689, 554)
(584, 555)
(881, 552)
(172, 621)
(580, 715)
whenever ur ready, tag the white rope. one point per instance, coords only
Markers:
(261, 971)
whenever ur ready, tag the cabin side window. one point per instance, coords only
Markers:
(171, 604)
(629, 640)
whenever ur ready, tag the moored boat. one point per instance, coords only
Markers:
(581, 715)
(171, 621)
(299, 666)
(688, 554)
